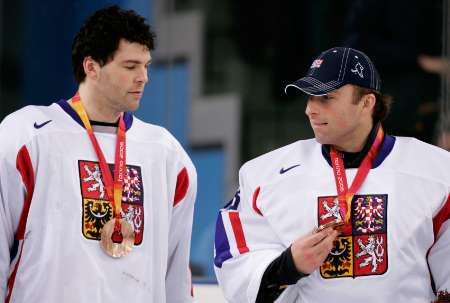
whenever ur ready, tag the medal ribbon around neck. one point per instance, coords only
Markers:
(345, 195)
(114, 186)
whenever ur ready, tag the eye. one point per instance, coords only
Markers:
(130, 67)
(326, 98)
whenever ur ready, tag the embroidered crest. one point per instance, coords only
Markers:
(330, 213)
(358, 69)
(97, 210)
(361, 249)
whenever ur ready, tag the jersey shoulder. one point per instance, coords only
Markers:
(152, 133)
(21, 126)
(265, 167)
(159, 137)
(422, 159)
(26, 116)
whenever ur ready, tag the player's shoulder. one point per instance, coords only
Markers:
(149, 132)
(422, 158)
(21, 125)
(276, 161)
(159, 137)
(26, 116)
(414, 148)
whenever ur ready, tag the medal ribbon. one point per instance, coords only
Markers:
(114, 186)
(345, 195)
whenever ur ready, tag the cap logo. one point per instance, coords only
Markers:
(316, 63)
(358, 69)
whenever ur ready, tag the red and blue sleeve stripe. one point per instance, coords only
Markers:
(230, 238)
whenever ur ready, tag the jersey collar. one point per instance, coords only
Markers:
(353, 160)
(127, 117)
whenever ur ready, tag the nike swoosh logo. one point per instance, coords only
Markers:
(283, 170)
(37, 126)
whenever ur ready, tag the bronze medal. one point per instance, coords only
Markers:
(334, 224)
(116, 243)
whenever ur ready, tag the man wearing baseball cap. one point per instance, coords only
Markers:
(352, 215)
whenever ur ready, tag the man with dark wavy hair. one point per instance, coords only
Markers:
(95, 204)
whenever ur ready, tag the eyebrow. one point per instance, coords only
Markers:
(136, 61)
(333, 93)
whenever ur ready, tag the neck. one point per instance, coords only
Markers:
(357, 141)
(95, 106)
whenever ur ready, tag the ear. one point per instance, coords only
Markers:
(369, 101)
(91, 68)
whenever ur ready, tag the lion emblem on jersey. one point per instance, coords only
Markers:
(361, 249)
(97, 210)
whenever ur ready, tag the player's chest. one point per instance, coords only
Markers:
(71, 189)
(384, 203)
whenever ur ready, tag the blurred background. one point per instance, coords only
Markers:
(220, 68)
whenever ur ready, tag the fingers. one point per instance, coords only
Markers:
(324, 247)
(327, 242)
(317, 237)
(309, 252)
(333, 224)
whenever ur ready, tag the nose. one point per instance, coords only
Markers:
(311, 106)
(142, 77)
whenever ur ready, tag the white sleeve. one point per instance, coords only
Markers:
(7, 222)
(439, 256)
(178, 277)
(245, 245)
(12, 196)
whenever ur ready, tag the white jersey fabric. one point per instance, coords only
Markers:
(399, 233)
(53, 206)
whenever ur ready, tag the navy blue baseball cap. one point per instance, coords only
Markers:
(335, 68)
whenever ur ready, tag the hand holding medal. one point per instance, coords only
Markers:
(311, 250)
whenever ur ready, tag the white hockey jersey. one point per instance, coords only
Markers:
(398, 238)
(53, 206)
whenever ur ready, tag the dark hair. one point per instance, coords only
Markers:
(382, 104)
(100, 35)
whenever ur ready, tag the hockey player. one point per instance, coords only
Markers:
(96, 205)
(385, 201)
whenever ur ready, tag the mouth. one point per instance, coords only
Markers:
(316, 124)
(136, 93)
